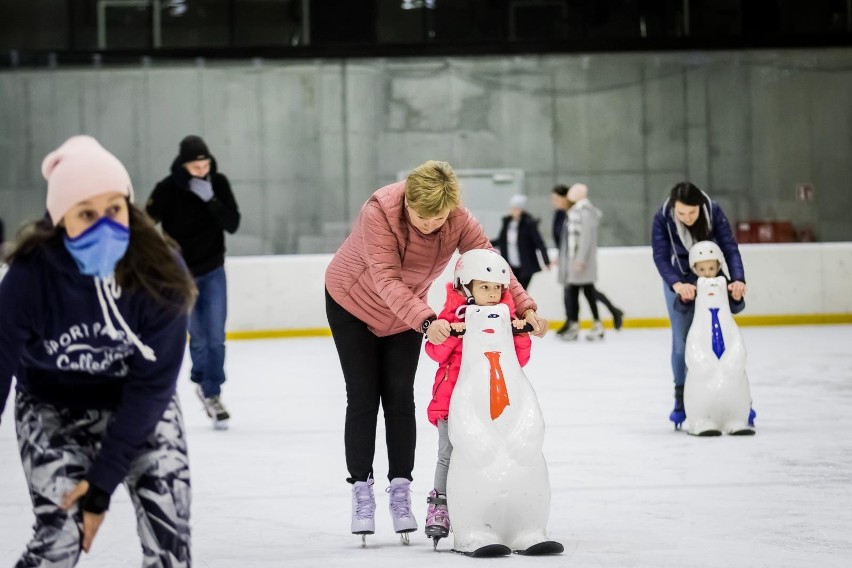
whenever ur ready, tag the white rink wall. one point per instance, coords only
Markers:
(286, 293)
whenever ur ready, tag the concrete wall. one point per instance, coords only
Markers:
(786, 284)
(305, 142)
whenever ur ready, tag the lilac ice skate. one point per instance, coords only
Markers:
(400, 508)
(437, 517)
(363, 509)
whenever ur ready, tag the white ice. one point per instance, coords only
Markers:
(627, 490)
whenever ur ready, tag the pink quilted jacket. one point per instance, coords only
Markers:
(382, 272)
(448, 355)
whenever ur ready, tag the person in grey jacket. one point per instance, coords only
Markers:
(578, 264)
(561, 205)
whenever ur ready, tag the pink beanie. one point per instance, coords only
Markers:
(577, 192)
(78, 170)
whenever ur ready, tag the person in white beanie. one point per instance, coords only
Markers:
(520, 242)
(561, 205)
(578, 268)
(93, 315)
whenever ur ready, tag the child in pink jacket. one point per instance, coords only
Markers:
(481, 278)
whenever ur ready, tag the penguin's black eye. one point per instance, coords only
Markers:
(493, 315)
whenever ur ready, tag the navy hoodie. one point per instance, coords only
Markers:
(54, 342)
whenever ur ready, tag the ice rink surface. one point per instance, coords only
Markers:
(628, 491)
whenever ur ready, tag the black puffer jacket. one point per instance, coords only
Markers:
(196, 225)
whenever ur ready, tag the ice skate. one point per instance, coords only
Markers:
(596, 333)
(363, 509)
(678, 415)
(572, 333)
(617, 319)
(215, 409)
(400, 508)
(437, 517)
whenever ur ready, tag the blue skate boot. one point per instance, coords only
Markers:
(678, 415)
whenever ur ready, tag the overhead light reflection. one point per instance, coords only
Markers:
(415, 4)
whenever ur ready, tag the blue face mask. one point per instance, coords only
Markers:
(99, 248)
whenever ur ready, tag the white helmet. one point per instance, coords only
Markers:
(706, 250)
(480, 264)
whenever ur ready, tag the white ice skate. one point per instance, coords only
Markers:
(572, 333)
(596, 333)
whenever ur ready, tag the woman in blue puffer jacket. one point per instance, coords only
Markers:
(687, 217)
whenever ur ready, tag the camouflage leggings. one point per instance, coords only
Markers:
(59, 445)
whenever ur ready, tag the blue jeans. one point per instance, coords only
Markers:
(681, 323)
(207, 332)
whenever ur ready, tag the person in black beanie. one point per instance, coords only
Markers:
(195, 205)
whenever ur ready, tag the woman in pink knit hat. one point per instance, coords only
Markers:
(93, 315)
(376, 287)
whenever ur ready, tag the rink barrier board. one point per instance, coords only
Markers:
(638, 323)
(265, 301)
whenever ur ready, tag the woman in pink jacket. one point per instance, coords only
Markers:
(376, 287)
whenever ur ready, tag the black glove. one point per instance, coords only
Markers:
(95, 500)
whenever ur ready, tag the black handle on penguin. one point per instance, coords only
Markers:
(526, 329)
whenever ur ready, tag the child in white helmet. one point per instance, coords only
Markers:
(707, 261)
(481, 278)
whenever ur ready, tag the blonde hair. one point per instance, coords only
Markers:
(432, 189)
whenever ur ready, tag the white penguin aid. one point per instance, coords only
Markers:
(716, 396)
(498, 488)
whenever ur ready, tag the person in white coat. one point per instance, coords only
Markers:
(578, 264)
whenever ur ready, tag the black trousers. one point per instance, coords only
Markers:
(568, 300)
(572, 300)
(376, 369)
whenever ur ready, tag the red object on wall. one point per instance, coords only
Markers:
(765, 231)
(745, 232)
